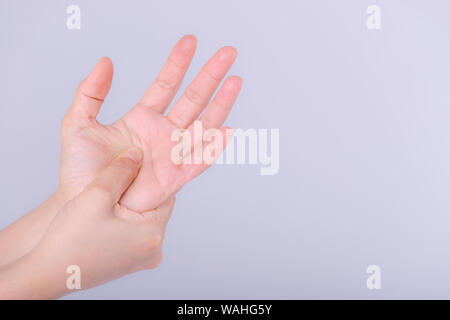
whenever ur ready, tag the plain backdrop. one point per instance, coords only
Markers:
(364, 119)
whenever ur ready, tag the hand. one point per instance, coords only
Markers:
(88, 146)
(94, 232)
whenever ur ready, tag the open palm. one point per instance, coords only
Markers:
(88, 146)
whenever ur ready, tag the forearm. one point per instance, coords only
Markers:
(31, 278)
(19, 238)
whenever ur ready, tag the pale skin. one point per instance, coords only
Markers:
(117, 182)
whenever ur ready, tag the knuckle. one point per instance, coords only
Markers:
(154, 243)
(149, 244)
(222, 106)
(211, 75)
(176, 119)
(195, 97)
(166, 84)
(154, 261)
(157, 240)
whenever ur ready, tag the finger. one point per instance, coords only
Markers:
(218, 110)
(92, 91)
(117, 177)
(200, 91)
(168, 81)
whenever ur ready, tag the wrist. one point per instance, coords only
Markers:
(21, 237)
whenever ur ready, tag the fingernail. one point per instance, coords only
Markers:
(134, 154)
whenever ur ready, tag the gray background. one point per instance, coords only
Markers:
(364, 126)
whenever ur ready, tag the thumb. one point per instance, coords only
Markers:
(117, 177)
(93, 90)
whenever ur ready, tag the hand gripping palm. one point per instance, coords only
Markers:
(88, 146)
